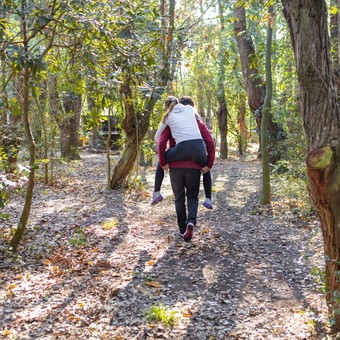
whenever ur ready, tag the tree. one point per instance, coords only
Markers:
(319, 107)
(255, 86)
(27, 65)
(267, 112)
(25, 55)
(222, 111)
(137, 113)
(242, 127)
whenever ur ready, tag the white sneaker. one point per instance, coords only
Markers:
(208, 203)
(156, 197)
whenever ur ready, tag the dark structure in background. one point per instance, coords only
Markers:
(115, 132)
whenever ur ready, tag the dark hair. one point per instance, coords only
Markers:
(186, 100)
(169, 103)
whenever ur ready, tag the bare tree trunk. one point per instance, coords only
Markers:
(266, 192)
(241, 119)
(222, 112)
(108, 148)
(254, 84)
(136, 124)
(69, 128)
(45, 141)
(307, 22)
(31, 147)
(208, 118)
(135, 127)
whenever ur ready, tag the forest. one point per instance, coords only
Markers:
(82, 251)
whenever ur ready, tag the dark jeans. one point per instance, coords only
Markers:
(191, 149)
(185, 182)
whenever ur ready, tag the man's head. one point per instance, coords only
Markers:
(186, 100)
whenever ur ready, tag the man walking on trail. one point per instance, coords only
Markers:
(185, 177)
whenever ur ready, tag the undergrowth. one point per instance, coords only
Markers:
(161, 314)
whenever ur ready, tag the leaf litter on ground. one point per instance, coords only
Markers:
(250, 272)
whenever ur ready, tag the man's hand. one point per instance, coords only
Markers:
(165, 167)
(205, 170)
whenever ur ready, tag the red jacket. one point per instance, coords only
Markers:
(207, 138)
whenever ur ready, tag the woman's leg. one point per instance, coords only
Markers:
(159, 176)
(207, 184)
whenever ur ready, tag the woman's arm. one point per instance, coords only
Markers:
(162, 144)
(161, 128)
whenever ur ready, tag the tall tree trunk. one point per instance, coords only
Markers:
(135, 127)
(31, 145)
(69, 128)
(108, 148)
(307, 22)
(44, 134)
(241, 120)
(208, 118)
(266, 194)
(222, 112)
(254, 84)
(136, 124)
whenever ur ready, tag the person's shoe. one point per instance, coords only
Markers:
(208, 203)
(156, 197)
(188, 232)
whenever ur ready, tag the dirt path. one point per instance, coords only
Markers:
(250, 272)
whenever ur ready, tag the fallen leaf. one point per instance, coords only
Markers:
(154, 284)
(11, 286)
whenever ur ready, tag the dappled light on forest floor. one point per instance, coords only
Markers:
(105, 264)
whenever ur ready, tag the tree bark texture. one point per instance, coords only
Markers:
(135, 125)
(266, 191)
(256, 90)
(69, 128)
(241, 120)
(307, 22)
(255, 86)
(222, 112)
(17, 236)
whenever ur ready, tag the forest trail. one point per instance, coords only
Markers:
(250, 272)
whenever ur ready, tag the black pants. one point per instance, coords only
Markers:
(185, 183)
(159, 176)
(192, 149)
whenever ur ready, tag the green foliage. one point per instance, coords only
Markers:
(148, 149)
(78, 238)
(161, 314)
(10, 183)
(110, 224)
(3, 160)
(319, 276)
(135, 185)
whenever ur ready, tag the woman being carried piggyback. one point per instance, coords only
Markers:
(188, 144)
